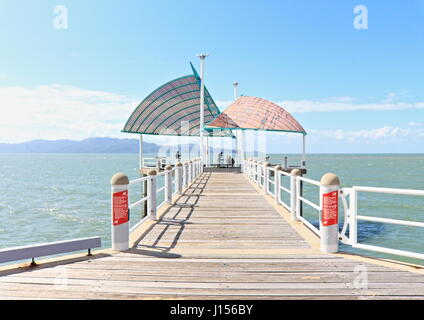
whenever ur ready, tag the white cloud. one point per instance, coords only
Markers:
(66, 112)
(326, 106)
(385, 134)
(415, 124)
(61, 112)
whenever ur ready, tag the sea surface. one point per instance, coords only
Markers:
(54, 197)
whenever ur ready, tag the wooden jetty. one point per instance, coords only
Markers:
(222, 239)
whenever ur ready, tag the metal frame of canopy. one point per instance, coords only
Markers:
(173, 110)
(257, 114)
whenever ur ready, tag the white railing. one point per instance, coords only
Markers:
(157, 162)
(352, 218)
(281, 175)
(299, 198)
(48, 249)
(178, 178)
(262, 172)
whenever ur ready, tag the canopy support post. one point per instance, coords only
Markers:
(207, 150)
(202, 98)
(242, 153)
(140, 152)
(303, 151)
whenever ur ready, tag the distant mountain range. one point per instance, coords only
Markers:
(91, 145)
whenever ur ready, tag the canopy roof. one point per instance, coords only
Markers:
(174, 109)
(256, 114)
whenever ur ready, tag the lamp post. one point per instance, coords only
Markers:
(239, 134)
(202, 57)
(235, 84)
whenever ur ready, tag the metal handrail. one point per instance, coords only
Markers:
(352, 218)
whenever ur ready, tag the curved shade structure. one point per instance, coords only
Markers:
(174, 109)
(256, 114)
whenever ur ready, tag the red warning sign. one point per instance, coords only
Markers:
(330, 208)
(120, 207)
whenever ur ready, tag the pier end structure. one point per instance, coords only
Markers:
(184, 107)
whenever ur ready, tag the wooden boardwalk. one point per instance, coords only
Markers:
(221, 240)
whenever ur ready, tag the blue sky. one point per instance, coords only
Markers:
(353, 90)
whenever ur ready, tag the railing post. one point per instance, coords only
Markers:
(353, 223)
(250, 169)
(294, 193)
(286, 165)
(277, 180)
(329, 203)
(298, 193)
(258, 173)
(185, 174)
(168, 184)
(266, 176)
(151, 191)
(190, 172)
(179, 177)
(120, 212)
(257, 168)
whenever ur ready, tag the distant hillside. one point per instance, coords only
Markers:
(91, 145)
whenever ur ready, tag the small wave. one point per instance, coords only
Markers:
(55, 213)
(69, 218)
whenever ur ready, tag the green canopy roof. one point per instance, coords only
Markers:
(174, 109)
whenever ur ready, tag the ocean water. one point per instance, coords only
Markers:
(53, 197)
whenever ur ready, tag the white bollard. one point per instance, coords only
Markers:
(168, 184)
(179, 177)
(277, 180)
(329, 224)
(294, 192)
(151, 192)
(120, 212)
(266, 176)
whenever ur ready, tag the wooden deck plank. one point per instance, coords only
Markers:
(221, 240)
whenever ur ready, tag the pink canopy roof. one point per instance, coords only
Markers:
(256, 114)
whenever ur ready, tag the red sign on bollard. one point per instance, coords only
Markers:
(330, 208)
(120, 207)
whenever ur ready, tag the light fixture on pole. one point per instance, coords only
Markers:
(202, 57)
